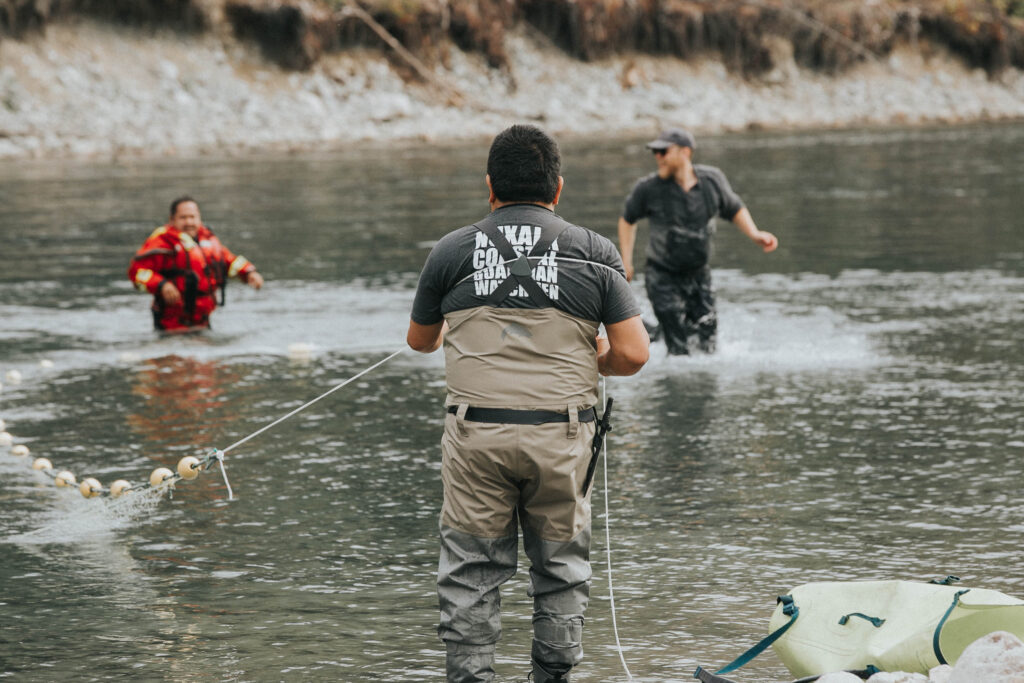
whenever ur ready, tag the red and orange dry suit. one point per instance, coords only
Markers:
(196, 267)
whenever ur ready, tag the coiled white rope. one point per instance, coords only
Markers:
(608, 539)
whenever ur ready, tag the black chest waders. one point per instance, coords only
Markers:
(216, 277)
(188, 296)
(521, 275)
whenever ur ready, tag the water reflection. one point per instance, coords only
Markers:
(180, 400)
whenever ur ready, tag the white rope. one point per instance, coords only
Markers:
(608, 539)
(219, 454)
(308, 404)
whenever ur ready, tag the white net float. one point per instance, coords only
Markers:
(159, 476)
(64, 478)
(90, 488)
(119, 487)
(188, 467)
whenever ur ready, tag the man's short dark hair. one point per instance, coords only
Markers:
(181, 200)
(524, 164)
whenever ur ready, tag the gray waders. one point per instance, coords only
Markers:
(515, 453)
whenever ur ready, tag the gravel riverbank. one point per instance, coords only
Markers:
(93, 90)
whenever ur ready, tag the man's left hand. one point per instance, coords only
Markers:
(255, 280)
(768, 241)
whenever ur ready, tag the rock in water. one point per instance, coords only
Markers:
(898, 677)
(839, 677)
(996, 658)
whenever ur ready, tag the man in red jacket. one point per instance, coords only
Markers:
(182, 264)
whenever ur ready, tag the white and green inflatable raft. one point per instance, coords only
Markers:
(865, 626)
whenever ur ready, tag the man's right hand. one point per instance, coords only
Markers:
(170, 294)
(627, 237)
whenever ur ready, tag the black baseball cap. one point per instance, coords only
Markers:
(673, 136)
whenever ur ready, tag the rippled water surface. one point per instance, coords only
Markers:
(862, 419)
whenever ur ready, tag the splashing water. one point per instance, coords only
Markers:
(73, 519)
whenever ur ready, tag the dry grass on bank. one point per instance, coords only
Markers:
(829, 36)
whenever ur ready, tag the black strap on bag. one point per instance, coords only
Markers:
(707, 677)
(863, 674)
(521, 272)
(704, 185)
(789, 609)
(217, 274)
(688, 241)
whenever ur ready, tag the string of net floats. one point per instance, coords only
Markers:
(161, 479)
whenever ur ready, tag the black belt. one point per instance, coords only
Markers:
(521, 417)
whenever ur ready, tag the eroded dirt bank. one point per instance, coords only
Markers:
(111, 77)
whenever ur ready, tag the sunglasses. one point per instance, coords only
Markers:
(659, 152)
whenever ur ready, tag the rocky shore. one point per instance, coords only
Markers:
(232, 76)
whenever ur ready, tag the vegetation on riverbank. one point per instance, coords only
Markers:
(826, 36)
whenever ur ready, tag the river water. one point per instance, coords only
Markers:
(862, 419)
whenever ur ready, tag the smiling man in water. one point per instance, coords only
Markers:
(517, 299)
(182, 264)
(682, 200)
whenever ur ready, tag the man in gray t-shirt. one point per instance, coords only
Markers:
(581, 272)
(681, 202)
(517, 299)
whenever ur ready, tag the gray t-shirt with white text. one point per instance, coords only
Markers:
(581, 273)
